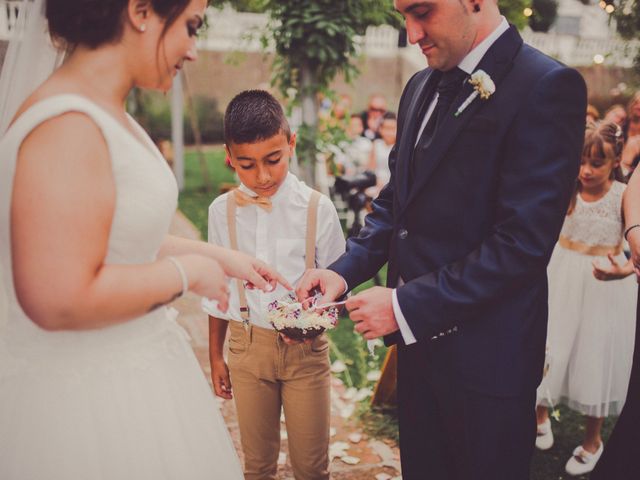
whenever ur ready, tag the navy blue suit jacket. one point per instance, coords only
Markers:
(472, 231)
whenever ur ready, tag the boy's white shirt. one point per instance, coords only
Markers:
(278, 238)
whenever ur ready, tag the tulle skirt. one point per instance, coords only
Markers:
(590, 337)
(142, 410)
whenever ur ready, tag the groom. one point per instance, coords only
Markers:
(467, 223)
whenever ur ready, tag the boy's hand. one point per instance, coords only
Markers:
(291, 341)
(220, 379)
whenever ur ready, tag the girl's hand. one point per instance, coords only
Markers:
(613, 272)
(254, 272)
(207, 279)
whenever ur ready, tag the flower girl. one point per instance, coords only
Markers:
(591, 322)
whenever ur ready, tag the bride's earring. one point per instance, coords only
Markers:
(143, 28)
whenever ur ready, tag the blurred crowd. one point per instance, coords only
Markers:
(628, 118)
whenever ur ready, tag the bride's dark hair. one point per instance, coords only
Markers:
(96, 22)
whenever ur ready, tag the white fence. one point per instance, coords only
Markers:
(232, 31)
(584, 51)
(8, 17)
(229, 30)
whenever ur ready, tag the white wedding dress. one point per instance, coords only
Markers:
(124, 402)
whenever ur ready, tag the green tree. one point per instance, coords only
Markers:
(316, 40)
(253, 6)
(626, 14)
(513, 10)
(544, 14)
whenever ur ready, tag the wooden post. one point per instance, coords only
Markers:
(197, 136)
(177, 130)
(385, 393)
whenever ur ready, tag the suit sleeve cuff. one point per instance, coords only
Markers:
(405, 331)
(346, 286)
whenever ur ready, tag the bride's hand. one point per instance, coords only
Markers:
(633, 237)
(207, 278)
(254, 272)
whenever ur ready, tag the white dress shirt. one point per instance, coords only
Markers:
(278, 238)
(468, 65)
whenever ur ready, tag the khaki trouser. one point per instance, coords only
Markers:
(268, 375)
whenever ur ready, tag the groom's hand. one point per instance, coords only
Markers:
(328, 282)
(372, 312)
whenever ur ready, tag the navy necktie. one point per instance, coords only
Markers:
(448, 88)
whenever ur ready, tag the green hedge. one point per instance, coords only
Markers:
(153, 111)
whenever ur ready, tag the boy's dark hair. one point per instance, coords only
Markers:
(253, 116)
(389, 116)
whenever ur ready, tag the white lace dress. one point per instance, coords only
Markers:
(591, 322)
(124, 402)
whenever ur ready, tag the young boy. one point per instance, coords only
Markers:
(271, 216)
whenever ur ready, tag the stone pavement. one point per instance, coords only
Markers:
(355, 456)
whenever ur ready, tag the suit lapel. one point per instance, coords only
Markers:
(415, 114)
(496, 63)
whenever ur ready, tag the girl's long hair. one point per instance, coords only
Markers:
(601, 140)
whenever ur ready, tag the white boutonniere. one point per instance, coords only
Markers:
(482, 85)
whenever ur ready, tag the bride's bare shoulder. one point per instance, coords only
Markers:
(71, 135)
(60, 128)
(50, 88)
(56, 134)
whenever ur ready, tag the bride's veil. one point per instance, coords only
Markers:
(30, 59)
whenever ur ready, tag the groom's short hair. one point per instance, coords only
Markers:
(253, 116)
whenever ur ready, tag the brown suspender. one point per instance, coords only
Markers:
(312, 227)
(233, 240)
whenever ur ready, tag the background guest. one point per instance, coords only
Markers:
(593, 114)
(616, 113)
(372, 116)
(379, 158)
(633, 116)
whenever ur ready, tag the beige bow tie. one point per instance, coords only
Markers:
(242, 200)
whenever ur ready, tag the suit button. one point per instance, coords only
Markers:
(402, 234)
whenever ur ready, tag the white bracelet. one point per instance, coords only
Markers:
(183, 274)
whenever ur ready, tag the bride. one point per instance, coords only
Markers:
(97, 380)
